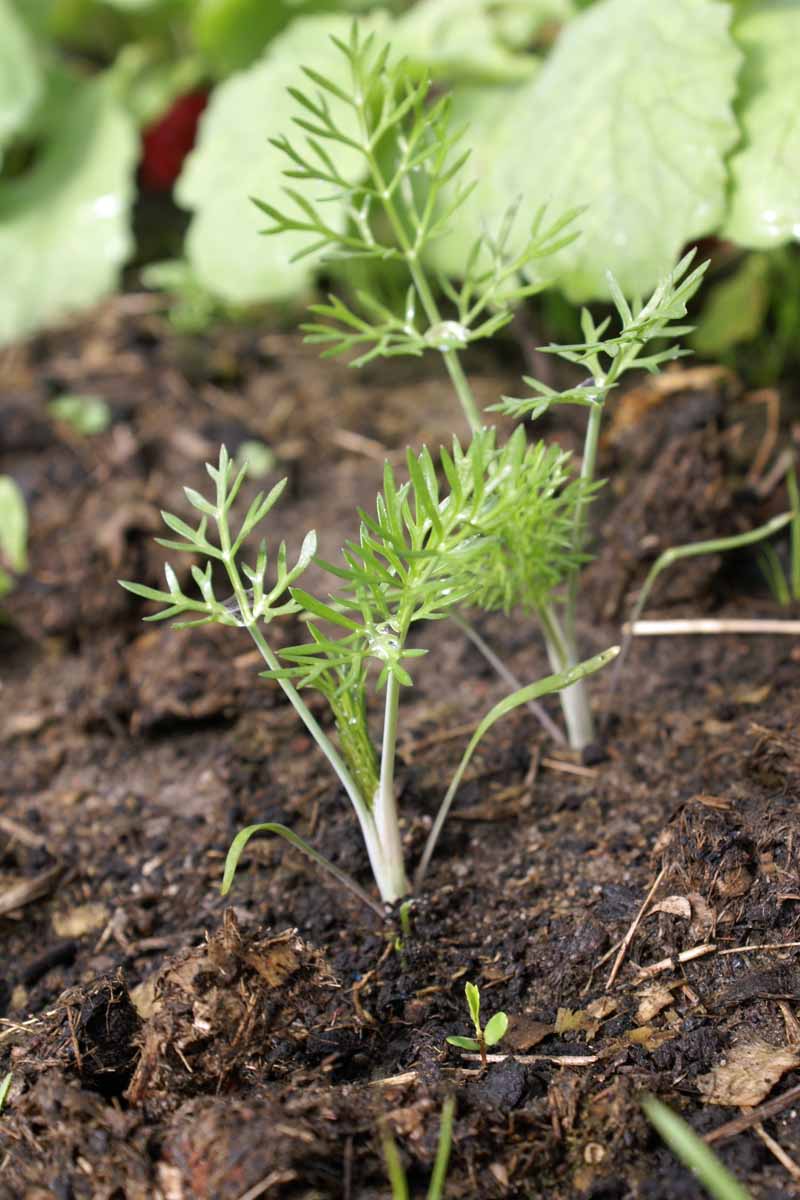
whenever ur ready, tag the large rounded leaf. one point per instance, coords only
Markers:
(232, 33)
(765, 205)
(64, 226)
(20, 79)
(630, 116)
(234, 160)
(458, 39)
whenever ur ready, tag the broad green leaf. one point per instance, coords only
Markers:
(140, 5)
(765, 203)
(629, 116)
(13, 524)
(231, 34)
(518, 24)
(480, 112)
(459, 39)
(20, 77)
(234, 160)
(495, 1029)
(150, 82)
(463, 1043)
(64, 225)
(735, 309)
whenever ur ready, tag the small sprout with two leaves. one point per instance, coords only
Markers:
(494, 1031)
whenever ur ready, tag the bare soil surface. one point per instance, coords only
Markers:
(167, 1043)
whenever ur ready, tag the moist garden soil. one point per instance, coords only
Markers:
(166, 1043)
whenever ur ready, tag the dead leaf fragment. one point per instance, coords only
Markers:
(676, 906)
(748, 1073)
(652, 1001)
(756, 695)
(733, 883)
(649, 1038)
(704, 918)
(524, 1032)
(576, 1020)
(143, 997)
(603, 1007)
(78, 921)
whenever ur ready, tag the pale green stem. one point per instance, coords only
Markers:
(463, 389)
(366, 818)
(575, 698)
(359, 802)
(588, 466)
(411, 252)
(562, 646)
(385, 804)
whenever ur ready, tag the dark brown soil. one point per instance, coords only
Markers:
(164, 1044)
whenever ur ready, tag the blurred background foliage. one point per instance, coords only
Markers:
(134, 132)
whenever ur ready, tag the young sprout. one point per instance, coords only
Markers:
(494, 1031)
(605, 358)
(693, 1152)
(394, 1167)
(428, 547)
(405, 177)
(404, 180)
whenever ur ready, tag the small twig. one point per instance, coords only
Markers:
(395, 1080)
(21, 833)
(629, 936)
(270, 1181)
(713, 625)
(783, 1158)
(670, 964)
(771, 400)
(26, 891)
(782, 464)
(357, 443)
(763, 946)
(562, 1060)
(559, 764)
(74, 1039)
(763, 1112)
(362, 1012)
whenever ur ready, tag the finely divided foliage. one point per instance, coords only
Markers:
(426, 549)
(407, 155)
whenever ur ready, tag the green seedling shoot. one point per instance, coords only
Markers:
(394, 1167)
(403, 158)
(785, 590)
(693, 1152)
(5, 1088)
(407, 177)
(691, 550)
(493, 1033)
(428, 547)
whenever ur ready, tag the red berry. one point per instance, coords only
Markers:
(168, 140)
